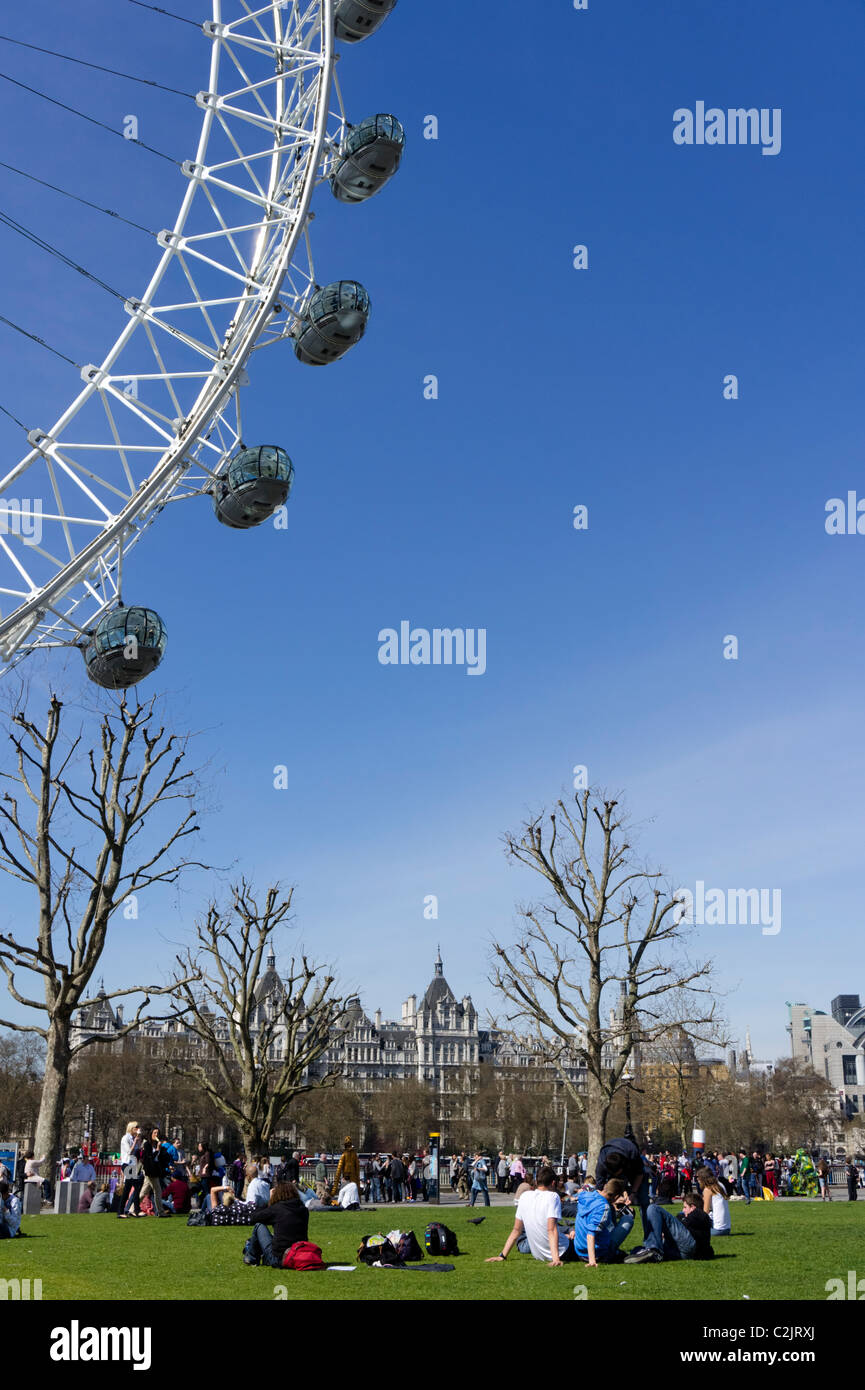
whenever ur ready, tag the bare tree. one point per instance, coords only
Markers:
(255, 1038)
(80, 871)
(609, 921)
(403, 1113)
(672, 1071)
(326, 1115)
(20, 1074)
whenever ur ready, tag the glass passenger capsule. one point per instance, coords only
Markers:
(252, 486)
(335, 319)
(126, 645)
(357, 19)
(369, 156)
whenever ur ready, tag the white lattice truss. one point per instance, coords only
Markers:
(159, 417)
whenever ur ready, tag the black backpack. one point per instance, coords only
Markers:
(408, 1248)
(440, 1240)
(377, 1249)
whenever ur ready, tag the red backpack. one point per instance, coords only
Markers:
(303, 1255)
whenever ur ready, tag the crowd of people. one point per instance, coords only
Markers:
(153, 1176)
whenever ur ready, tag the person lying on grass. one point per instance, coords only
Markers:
(676, 1238)
(603, 1221)
(228, 1210)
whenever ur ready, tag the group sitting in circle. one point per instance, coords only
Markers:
(604, 1216)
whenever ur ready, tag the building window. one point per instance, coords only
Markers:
(849, 1070)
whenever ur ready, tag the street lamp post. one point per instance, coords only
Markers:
(628, 1077)
(434, 1186)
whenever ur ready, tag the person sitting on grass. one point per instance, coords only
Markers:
(675, 1238)
(569, 1203)
(593, 1239)
(85, 1199)
(290, 1221)
(257, 1186)
(715, 1203)
(177, 1193)
(349, 1197)
(101, 1204)
(537, 1219)
(10, 1213)
(604, 1221)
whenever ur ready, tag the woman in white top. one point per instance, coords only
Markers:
(127, 1143)
(715, 1203)
(31, 1167)
(133, 1174)
(32, 1174)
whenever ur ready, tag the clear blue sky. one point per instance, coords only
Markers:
(557, 387)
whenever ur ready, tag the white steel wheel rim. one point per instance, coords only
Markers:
(167, 391)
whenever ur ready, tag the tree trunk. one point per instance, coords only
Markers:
(49, 1124)
(254, 1145)
(596, 1111)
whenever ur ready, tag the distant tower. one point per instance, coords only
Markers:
(749, 1051)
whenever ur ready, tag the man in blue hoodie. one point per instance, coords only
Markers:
(604, 1220)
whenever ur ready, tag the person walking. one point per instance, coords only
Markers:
(320, 1176)
(823, 1175)
(348, 1168)
(756, 1175)
(396, 1173)
(502, 1173)
(480, 1176)
(155, 1162)
(770, 1174)
(133, 1173)
(852, 1180)
(517, 1173)
(744, 1176)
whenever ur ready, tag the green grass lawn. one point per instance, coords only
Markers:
(779, 1251)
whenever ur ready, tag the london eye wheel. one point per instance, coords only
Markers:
(158, 419)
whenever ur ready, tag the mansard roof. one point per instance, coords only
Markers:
(438, 989)
(355, 1015)
(96, 1014)
(270, 983)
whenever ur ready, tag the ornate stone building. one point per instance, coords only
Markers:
(435, 1041)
